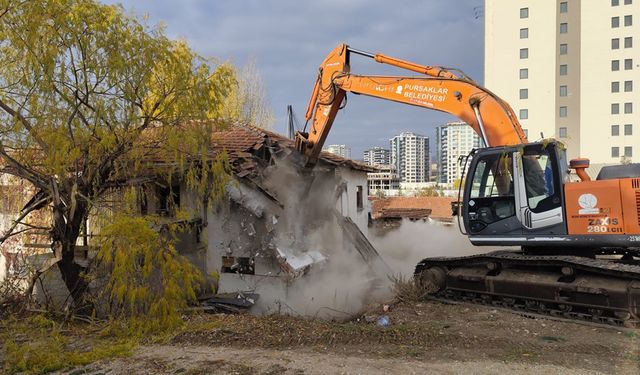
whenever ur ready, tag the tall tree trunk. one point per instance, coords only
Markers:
(72, 275)
(65, 236)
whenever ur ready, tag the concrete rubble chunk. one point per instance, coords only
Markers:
(298, 264)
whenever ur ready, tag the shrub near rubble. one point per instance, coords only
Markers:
(144, 286)
(148, 283)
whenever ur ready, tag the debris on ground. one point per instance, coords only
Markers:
(421, 333)
(229, 303)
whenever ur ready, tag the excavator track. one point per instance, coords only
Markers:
(603, 291)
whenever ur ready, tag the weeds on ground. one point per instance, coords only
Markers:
(37, 344)
(406, 289)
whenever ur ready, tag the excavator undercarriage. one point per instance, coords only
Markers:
(604, 289)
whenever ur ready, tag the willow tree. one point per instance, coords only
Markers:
(86, 92)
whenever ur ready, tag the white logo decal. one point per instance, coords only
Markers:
(472, 203)
(399, 90)
(588, 204)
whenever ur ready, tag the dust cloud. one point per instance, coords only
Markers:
(336, 288)
(345, 283)
(404, 247)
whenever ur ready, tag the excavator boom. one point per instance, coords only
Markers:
(437, 88)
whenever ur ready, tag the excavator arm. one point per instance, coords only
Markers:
(437, 88)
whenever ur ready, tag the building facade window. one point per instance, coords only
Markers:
(628, 42)
(359, 197)
(615, 3)
(628, 64)
(615, 108)
(628, 108)
(524, 114)
(615, 22)
(563, 49)
(627, 2)
(615, 65)
(562, 132)
(615, 86)
(564, 70)
(628, 151)
(615, 43)
(564, 28)
(564, 7)
(563, 111)
(524, 33)
(628, 86)
(524, 93)
(615, 130)
(524, 53)
(628, 129)
(524, 12)
(628, 20)
(563, 90)
(615, 152)
(524, 73)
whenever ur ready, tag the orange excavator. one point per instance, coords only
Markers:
(579, 240)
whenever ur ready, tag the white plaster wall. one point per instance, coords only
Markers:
(347, 202)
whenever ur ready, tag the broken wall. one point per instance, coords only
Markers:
(257, 241)
(353, 202)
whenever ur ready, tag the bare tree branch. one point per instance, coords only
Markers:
(22, 171)
(27, 125)
(25, 211)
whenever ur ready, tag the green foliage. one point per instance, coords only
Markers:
(36, 345)
(91, 97)
(148, 282)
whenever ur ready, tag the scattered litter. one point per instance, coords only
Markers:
(385, 308)
(384, 321)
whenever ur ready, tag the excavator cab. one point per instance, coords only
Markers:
(515, 193)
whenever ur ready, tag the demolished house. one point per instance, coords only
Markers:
(262, 235)
(277, 223)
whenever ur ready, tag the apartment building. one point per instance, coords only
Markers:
(453, 139)
(385, 181)
(377, 156)
(410, 157)
(570, 69)
(340, 150)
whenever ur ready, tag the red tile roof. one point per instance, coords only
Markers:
(241, 140)
(439, 207)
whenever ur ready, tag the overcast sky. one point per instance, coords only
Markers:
(288, 39)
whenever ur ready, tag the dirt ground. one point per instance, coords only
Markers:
(427, 337)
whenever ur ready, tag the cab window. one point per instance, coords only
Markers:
(493, 177)
(539, 172)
